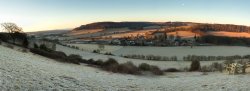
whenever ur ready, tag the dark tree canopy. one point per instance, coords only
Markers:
(14, 32)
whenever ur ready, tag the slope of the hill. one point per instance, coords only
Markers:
(27, 72)
(140, 28)
(230, 34)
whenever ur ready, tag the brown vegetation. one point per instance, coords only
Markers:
(10, 46)
(156, 70)
(195, 66)
(144, 67)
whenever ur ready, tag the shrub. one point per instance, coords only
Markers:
(156, 70)
(246, 56)
(10, 46)
(128, 68)
(35, 45)
(110, 61)
(83, 61)
(212, 68)
(98, 62)
(96, 51)
(25, 43)
(56, 55)
(73, 58)
(195, 66)
(77, 47)
(144, 67)
(24, 50)
(59, 56)
(44, 47)
(111, 67)
(217, 66)
(172, 70)
(90, 61)
(41, 52)
(37, 51)
(108, 53)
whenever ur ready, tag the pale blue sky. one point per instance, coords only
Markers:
(35, 15)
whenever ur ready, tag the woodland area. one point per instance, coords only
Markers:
(194, 26)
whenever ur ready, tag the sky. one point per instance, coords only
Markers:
(38, 15)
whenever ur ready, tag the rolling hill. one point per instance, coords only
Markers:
(186, 29)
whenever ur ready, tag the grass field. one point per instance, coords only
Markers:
(170, 51)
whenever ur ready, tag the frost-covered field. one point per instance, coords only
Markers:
(28, 72)
(171, 51)
(161, 64)
(184, 51)
(91, 47)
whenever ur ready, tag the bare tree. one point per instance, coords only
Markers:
(12, 29)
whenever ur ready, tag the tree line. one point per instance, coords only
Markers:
(221, 40)
(220, 27)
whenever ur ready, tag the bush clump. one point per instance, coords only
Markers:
(212, 68)
(44, 47)
(128, 68)
(98, 62)
(108, 53)
(35, 45)
(24, 50)
(110, 61)
(172, 70)
(73, 58)
(156, 70)
(195, 66)
(57, 55)
(10, 46)
(111, 65)
(144, 67)
(96, 51)
(217, 66)
(90, 61)
(25, 43)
